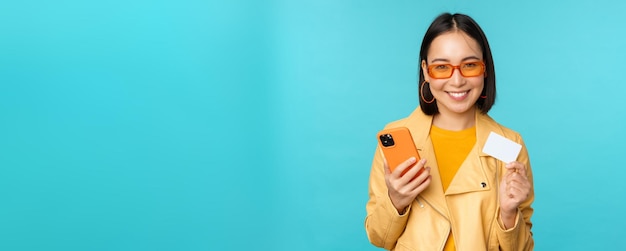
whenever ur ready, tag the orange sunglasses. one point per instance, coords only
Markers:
(467, 69)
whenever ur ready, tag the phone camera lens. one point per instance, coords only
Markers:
(386, 140)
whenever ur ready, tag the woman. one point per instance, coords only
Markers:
(464, 199)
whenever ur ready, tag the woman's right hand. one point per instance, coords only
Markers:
(403, 189)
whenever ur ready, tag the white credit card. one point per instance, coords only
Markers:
(501, 148)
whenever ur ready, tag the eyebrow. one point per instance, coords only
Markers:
(447, 61)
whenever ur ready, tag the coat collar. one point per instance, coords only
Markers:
(472, 173)
(420, 123)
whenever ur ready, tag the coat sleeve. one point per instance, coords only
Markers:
(520, 237)
(383, 224)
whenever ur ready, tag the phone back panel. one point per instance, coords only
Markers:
(402, 147)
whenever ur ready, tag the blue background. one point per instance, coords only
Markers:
(195, 125)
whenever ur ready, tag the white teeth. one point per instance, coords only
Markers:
(457, 94)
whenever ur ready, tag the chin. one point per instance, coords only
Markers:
(461, 108)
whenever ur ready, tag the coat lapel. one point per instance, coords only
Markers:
(472, 175)
(419, 124)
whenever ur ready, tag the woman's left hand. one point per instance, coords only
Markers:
(514, 189)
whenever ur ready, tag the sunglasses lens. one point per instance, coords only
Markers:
(441, 71)
(472, 69)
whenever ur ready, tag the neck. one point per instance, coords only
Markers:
(455, 121)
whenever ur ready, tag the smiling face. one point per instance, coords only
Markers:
(456, 95)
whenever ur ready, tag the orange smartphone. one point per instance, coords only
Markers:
(397, 145)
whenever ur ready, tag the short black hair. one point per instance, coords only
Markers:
(449, 22)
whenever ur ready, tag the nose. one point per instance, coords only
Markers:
(457, 79)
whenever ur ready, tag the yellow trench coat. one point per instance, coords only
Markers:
(469, 207)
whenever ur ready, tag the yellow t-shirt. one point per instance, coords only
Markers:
(451, 149)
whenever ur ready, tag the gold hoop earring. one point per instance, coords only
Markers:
(422, 94)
